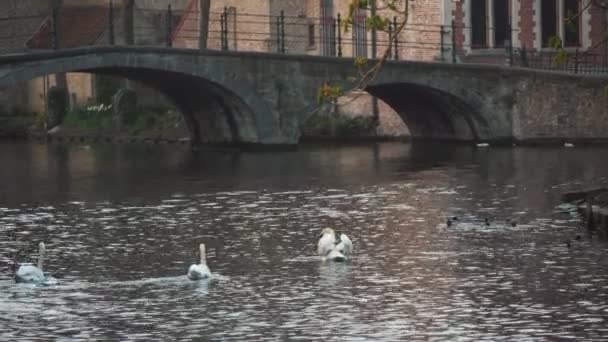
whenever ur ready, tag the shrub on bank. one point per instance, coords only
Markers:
(338, 126)
(102, 117)
(90, 117)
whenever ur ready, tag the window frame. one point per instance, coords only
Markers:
(490, 32)
(561, 26)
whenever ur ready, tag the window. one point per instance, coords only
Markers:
(548, 13)
(359, 34)
(559, 18)
(311, 35)
(571, 23)
(490, 23)
(501, 22)
(328, 47)
(231, 26)
(479, 24)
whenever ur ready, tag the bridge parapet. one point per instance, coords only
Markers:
(72, 26)
(263, 98)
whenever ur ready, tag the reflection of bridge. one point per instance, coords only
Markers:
(264, 98)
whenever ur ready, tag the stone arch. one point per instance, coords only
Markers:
(212, 113)
(431, 113)
(238, 113)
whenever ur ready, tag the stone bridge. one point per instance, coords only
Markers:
(262, 98)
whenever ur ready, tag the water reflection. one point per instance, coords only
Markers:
(123, 223)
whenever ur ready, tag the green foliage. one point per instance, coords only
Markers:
(329, 93)
(561, 56)
(360, 62)
(338, 126)
(555, 42)
(101, 117)
(90, 117)
(377, 22)
(106, 87)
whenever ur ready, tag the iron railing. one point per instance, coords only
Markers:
(571, 61)
(74, 26)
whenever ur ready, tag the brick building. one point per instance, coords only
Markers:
(311, 27)
(27, 25)
(485, 28)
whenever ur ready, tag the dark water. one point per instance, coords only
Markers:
(122, 225)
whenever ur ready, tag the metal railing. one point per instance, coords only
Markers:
(73, 26)
(573, 62)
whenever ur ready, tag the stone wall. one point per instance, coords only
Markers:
(547, 107)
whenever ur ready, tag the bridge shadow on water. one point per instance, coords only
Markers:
(149, 172)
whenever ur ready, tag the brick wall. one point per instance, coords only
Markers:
(458, 18)
(256, 28)
(249, 30)
(422, 37)
(527, 23)
(597, 35)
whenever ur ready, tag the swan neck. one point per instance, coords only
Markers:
(202, 251)
(41, 252)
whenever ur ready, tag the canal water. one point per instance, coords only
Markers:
(122, 225)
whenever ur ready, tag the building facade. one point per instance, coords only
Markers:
(26, 25)
(313, 27)
(487, 27)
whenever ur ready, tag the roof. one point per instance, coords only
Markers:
(78, 26)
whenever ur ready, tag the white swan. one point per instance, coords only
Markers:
(199, 271)
(30, 274)
(328, 250)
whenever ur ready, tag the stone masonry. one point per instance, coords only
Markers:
(229, 97)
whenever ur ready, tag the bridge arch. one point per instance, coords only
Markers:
(219, 106)
(431, 113)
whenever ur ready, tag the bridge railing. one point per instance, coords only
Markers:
(576, 62)
(74, 26)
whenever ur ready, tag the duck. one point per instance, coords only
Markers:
(201, 270)
(30, 274)
(329, 250)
